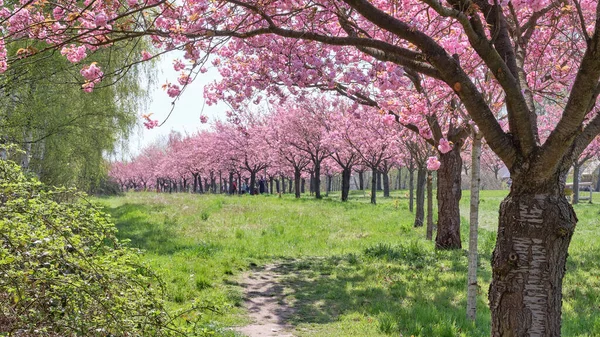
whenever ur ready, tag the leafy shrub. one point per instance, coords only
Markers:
(64, 273)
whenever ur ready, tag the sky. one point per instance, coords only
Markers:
(188, 108)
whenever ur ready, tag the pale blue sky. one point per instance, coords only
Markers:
(186, 116)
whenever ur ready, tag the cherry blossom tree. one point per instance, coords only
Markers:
(369, 135)
(285, 126)
(244, 144)
(534, 52)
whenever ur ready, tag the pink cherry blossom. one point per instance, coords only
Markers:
(151, 124)
(88, 86)
(92, 72)
(203, 119)
(178, 65)
(184, 79)
(433, 164)
(101, 19)
(444, 146)
(74, 53)
(146, 55)
(3, 54)
(58, 13)
(389, 120)
(173, 90)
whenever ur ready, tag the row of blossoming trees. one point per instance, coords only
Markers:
(294, 141)
(435, 66)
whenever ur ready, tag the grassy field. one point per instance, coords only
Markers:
(352, 269)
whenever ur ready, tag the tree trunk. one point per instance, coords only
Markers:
(374, 186)
(277, 186)
(282, 184)
(200, 189)
(379, 180)
(311, 182)
(317, 180)
(361, 181)
(195, 182)
(429, 235)
(220, 182)
(346, 174)
(576, 173)
(386, 184)
(303, 185)
(252, 182)
(399, 186)
(328, 179)
(297, 182)
(411, 187)
(473, 224)
(289, 185)
(420, 214)
(529, 261)
(598, 181)
(448, 198)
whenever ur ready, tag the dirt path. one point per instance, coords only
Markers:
(264, 299)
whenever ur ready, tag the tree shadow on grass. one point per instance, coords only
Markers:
(147, 228)
(407, 294)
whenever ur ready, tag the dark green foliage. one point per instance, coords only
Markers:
(64, 273)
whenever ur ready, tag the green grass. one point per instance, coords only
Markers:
(351, 269)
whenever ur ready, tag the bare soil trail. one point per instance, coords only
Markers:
(265, 301)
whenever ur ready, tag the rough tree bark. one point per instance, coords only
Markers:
(429, 235)
(420, 214)
(448, 198)
(473, 224)
(528, 263)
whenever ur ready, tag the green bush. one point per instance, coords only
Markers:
(64, 273)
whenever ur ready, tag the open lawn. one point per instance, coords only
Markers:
(352, 269)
